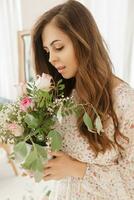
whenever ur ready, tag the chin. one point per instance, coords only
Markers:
(65, 76)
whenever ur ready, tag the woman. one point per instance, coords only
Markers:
(67, 44)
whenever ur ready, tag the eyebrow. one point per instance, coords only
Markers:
(52, 43)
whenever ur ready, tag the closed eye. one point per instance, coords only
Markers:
(59, 49)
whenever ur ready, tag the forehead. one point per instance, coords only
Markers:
(51, 32)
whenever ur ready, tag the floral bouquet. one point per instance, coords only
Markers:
(28, 123)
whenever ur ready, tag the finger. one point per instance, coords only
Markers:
(49, 164)
(47, 172)
(49, 177)
(56, 153)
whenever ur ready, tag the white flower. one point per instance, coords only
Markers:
(44, 82)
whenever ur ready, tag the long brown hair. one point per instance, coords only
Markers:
(93, 79)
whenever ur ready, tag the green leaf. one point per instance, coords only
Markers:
(56, 141)
(31, 121)
(88, 122)
(48, 123)
(41, 150)
(61, 87)
(98, 125)
(33, 162)
(42, 103)
(29, 161)
(28, 90)
(20, 150)
(37, 165)
(59, 82)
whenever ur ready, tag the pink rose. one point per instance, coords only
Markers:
(25, 103)
(16, 129)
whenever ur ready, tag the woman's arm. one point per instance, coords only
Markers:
(117, 179)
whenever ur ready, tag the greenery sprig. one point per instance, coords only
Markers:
(29, 122)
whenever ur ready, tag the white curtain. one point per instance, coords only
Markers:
(115, 19)
(9, 25)
(129, 44)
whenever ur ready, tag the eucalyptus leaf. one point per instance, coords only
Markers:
(33, 162)
(31, 121)
(20, 151)
(56, 140)
(37, 165)
(29, 160)
(41, 150)
(88, 122)
(98, 125)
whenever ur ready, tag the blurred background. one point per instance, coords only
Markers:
(115, 19)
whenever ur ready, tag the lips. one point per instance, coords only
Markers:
(60, 69)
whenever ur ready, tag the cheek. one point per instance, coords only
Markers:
(75, 63)
(69, 55)
(69, 58)
(72, 59)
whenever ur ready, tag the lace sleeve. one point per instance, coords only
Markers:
(116, 180)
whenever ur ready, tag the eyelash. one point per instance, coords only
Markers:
(58, 49)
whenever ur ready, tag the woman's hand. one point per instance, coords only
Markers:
(63, 165)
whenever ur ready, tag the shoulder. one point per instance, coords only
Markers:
(122, 93)
(123, 99)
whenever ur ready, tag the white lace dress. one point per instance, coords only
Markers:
(109, 176)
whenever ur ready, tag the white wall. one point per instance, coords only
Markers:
(111, 17)
(31, 10)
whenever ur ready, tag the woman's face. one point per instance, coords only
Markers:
(60, 49)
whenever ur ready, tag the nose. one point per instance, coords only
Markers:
(52, 58)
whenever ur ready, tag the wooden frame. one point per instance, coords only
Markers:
(26, 69)
(7, 149)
